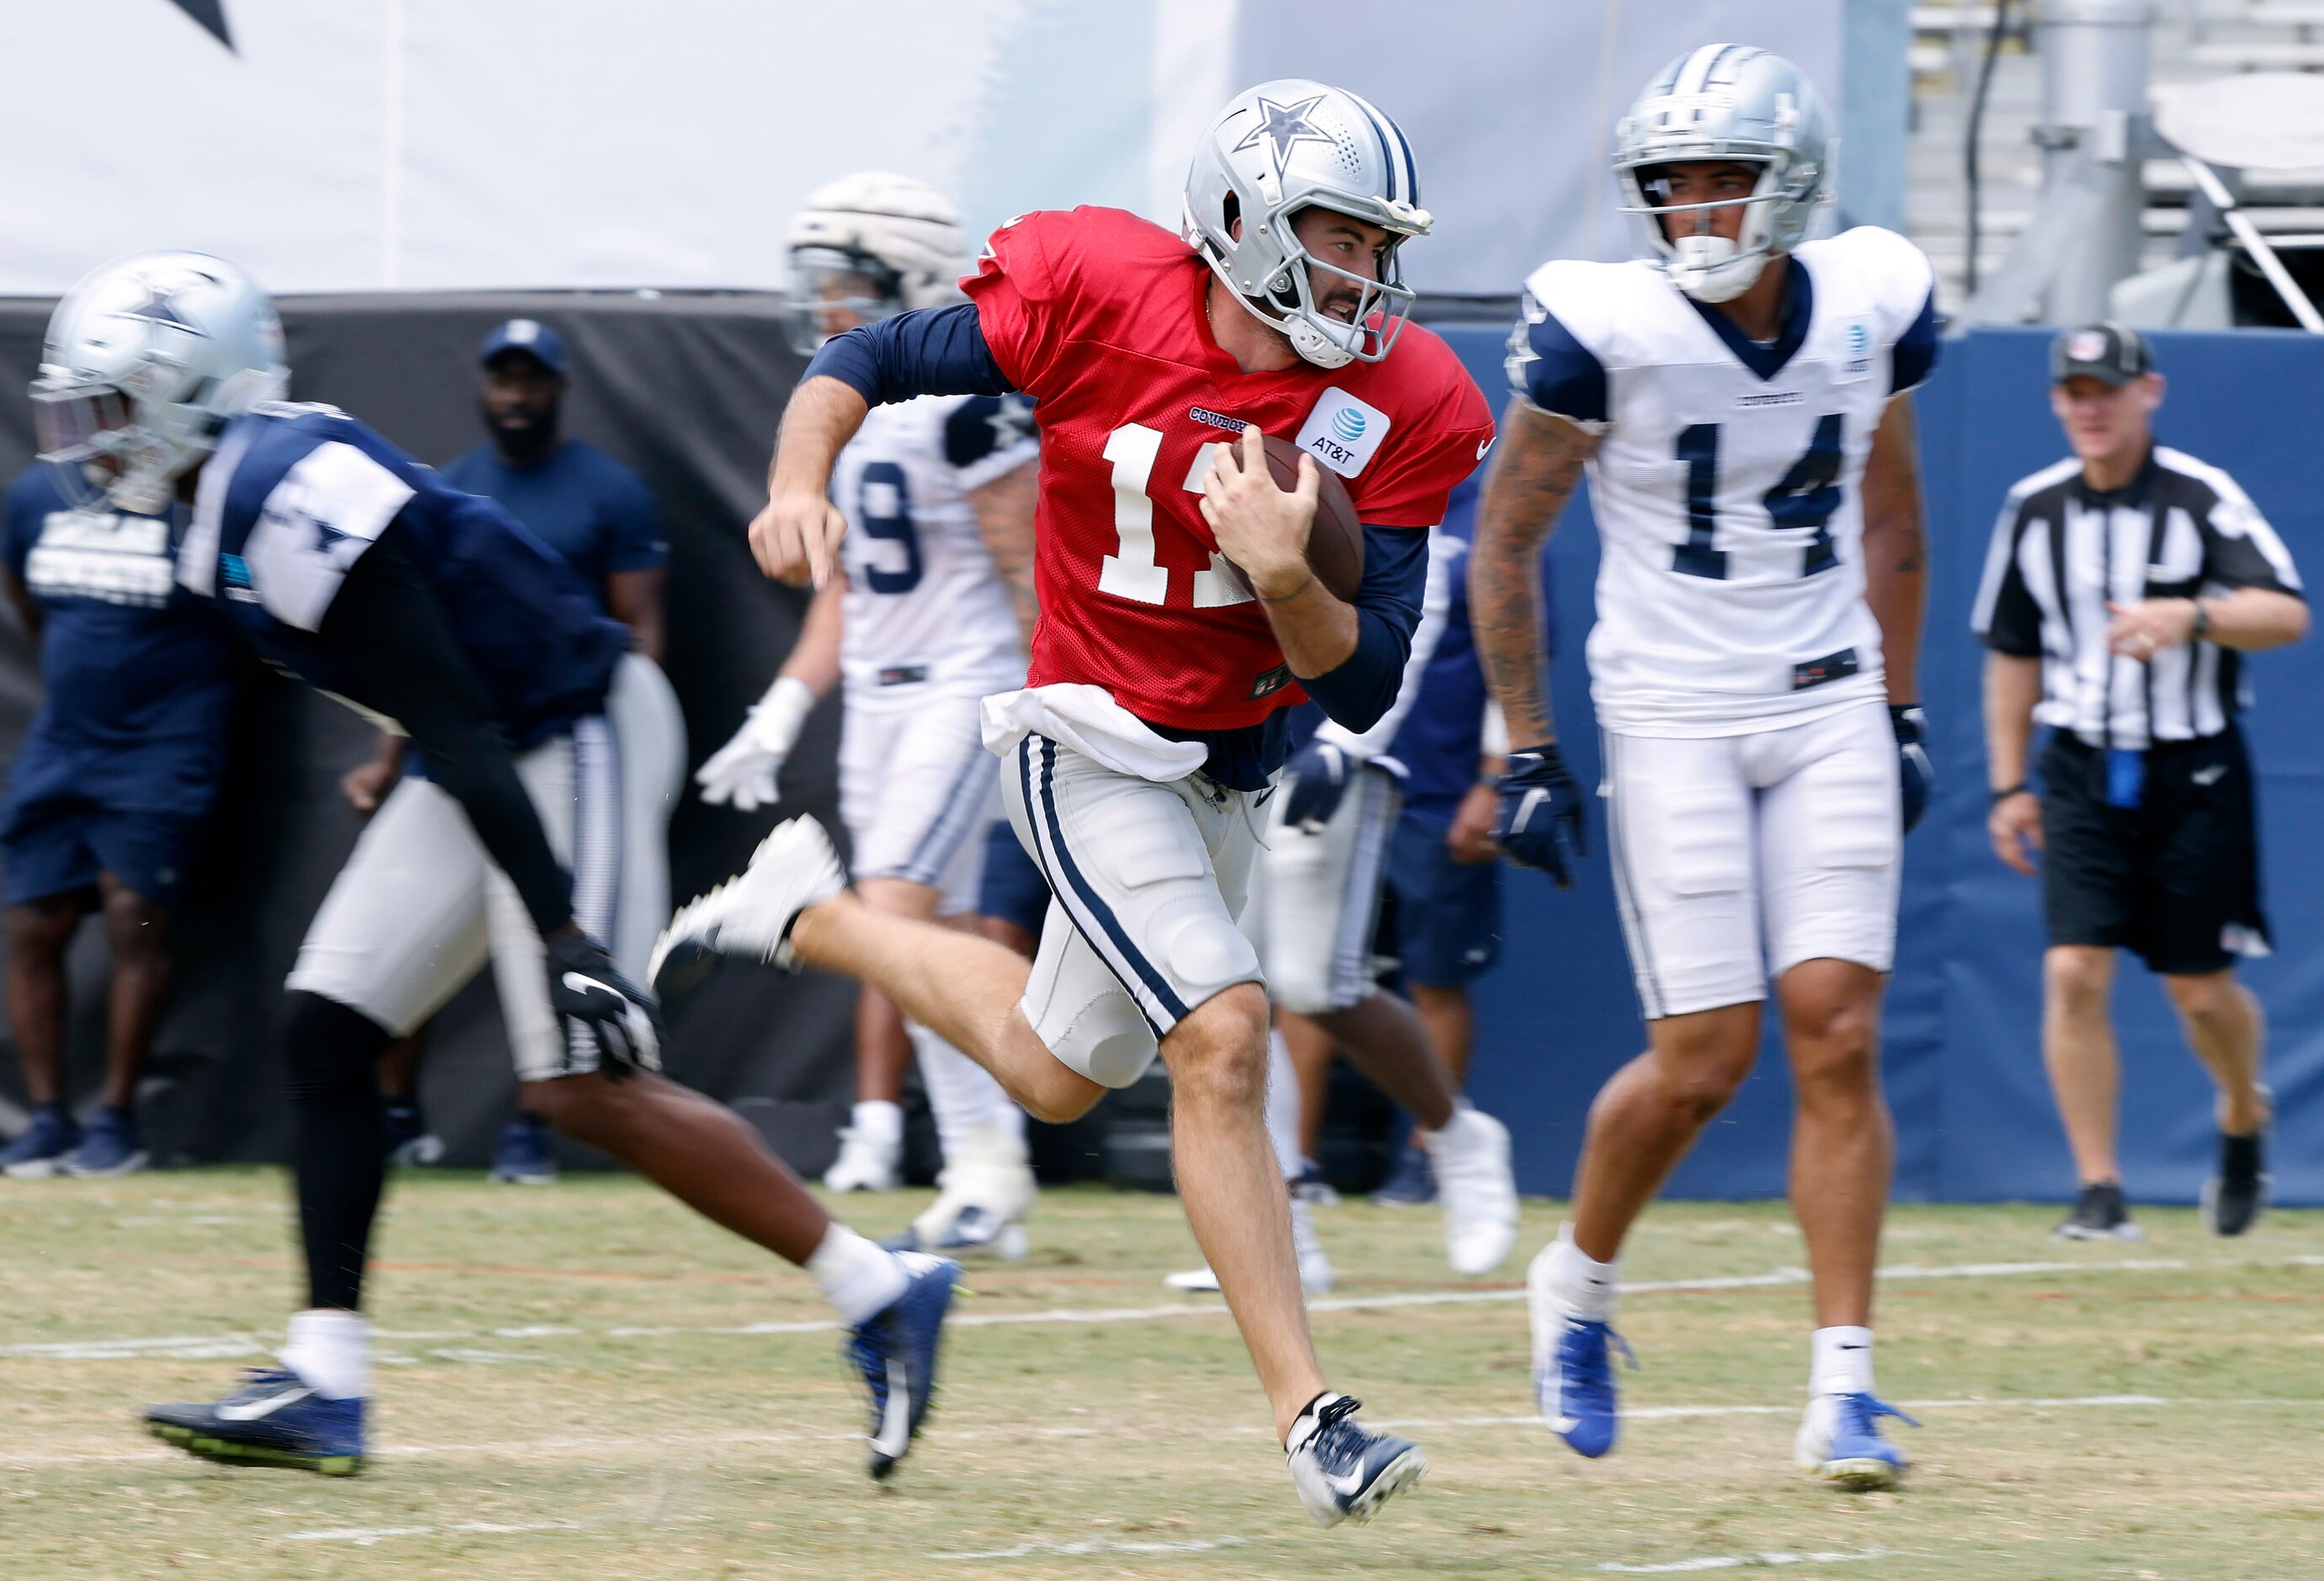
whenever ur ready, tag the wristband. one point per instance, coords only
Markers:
(2202, 622)
(2020, 788)
(782, 713)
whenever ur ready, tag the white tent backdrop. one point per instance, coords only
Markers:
(367, 144)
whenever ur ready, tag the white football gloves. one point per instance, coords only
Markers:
(743, 772)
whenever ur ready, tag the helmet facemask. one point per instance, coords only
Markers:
(830, 281)
(1709, 267)
(1286, 299)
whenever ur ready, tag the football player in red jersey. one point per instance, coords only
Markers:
(1139, 753)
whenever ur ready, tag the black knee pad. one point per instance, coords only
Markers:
(329, 1048)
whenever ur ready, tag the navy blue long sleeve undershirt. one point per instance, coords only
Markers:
(942, 351)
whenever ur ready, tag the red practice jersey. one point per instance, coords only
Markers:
(1099, 316)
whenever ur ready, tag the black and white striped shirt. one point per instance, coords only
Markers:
(2062, 550)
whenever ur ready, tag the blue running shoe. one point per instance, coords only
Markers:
(1411, 1184)
(274, 1419)
(1343, 1469)
(1575, 1387)
(1840, 1441)
(895, 1353)
(111, 1146)
(41, 1149)
(521, 1156)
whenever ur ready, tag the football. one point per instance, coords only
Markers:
(1335, 544)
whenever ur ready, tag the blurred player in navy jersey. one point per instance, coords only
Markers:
(598, 515)
(344, 562)
(931, 613)
(1139, 758)
(108, 797)
(1443, 866)
(1741, 398)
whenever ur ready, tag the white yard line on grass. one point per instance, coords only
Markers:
(1097, 1544)
(226, 1346)
(365, 1536)
(1739, 1561)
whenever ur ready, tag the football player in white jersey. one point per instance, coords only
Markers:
(1738, 398)
(932, 614)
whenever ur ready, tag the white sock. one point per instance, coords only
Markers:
(879, 1121)
(1843, 1361)
(859, 1278)
(331, 1352)
(1587, 1287)
(963, 1095)
(1283, 1106)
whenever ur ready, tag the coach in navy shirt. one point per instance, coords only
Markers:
(595, 512)
(108, 795)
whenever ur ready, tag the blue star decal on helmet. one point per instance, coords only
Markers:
(1286, 127)
(161, 306)
(210, 15)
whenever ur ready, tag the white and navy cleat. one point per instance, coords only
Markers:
(894, 1352)
(1343, 1469)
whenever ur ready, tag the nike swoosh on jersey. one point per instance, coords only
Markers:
(252, 1410)
(1484, 445)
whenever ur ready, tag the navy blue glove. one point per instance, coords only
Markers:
(1919, 778)
(1541, 814)
(1317, 777)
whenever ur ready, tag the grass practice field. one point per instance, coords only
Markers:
(588, 1381)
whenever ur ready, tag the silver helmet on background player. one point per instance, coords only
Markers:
(1292, 144)
(1726, 104)
(870, 245)
(147, 359)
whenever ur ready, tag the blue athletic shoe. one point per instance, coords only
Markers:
(1574, 1387)
(41, 1150)
(1411, 1184)
(405, 1138)
(274, 1419)
(1343, 1470)
(895, 1353)
(521, 1156)
(1840, 1441)
(111, 1146)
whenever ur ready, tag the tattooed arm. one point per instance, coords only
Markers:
(1540, 464)
(1895, 582)
(1004, 519)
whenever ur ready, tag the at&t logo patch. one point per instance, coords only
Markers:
(1342, 432)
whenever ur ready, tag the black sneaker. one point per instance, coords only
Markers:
(2099, 1215)
(2235, 1198)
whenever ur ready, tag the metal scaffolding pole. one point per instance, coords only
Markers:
(2094, 67)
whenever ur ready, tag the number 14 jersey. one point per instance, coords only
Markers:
(1100, 317)
(1727, 482)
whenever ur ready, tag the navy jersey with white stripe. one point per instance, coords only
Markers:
(2062, 550)
(295, 494)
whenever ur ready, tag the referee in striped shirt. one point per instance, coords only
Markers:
(2123, 588)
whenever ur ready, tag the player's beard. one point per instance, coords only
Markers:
(522, 436)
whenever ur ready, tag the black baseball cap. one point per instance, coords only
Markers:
(2114, 353)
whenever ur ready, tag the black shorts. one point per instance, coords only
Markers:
(2174, 880)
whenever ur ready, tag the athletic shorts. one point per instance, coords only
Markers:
(2175, 879)
(1318, 897)
(72, 812)
(1012, 888)
(420, 908)
(1146, 878)
(1448, 914)
(917, 789)
(1737, 858)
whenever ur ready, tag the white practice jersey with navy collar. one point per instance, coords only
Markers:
(1727, 481)
(926, 607)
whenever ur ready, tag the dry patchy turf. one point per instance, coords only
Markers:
(588, 1380)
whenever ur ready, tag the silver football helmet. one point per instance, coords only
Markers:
(147, 359)
(1726, 103)
(1292, 144)
(870, 245)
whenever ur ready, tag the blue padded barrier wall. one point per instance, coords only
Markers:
(1973, 1117)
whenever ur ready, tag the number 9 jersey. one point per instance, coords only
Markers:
(1725, 484)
